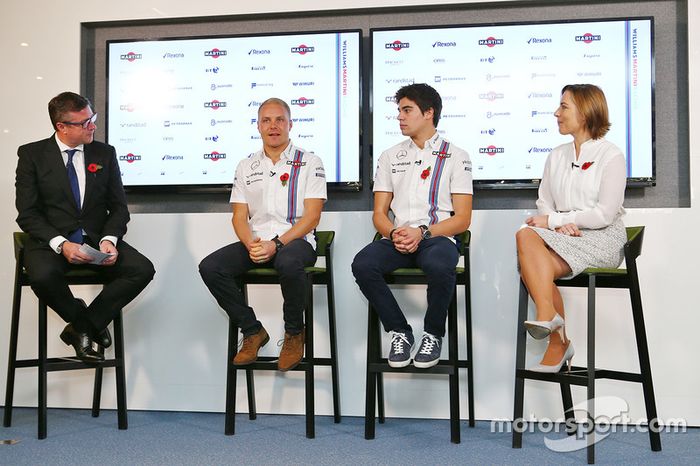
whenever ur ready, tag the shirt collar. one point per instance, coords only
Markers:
(63, 147)
(432, 142)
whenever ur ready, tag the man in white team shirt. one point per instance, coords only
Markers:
(427, 183)
(277, 198)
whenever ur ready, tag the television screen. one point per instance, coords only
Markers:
(182, 112)
(500, 86)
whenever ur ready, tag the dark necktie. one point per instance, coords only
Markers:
(77, 235)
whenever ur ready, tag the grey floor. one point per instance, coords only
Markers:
(173, 438)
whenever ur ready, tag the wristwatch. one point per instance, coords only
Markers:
(278, 244)
(425, 232)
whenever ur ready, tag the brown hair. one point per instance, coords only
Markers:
(590, 101)
(66, 102)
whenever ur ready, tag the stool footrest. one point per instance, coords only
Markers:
(442, 367)
(67, 363)
(579, 376)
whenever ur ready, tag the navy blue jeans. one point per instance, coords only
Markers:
(437, 257)
(220, 269)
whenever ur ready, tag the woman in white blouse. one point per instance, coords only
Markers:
(579, 216)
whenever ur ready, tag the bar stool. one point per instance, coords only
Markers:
(593, 278)
(315, 276)
(76, 276)
(377, 365)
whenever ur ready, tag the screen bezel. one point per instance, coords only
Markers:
(336, 186)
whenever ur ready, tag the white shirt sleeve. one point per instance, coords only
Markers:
(238, 190)
(461, 180)
(316, 179)
(382, 178)
(545, 200)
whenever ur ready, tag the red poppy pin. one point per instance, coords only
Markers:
(94, 167)
(284, 178)
(586, 165)
(425, 173)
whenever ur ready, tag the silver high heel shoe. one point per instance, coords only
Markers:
(539, 329)
(566, 359)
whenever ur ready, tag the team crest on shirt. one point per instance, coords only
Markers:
(255, 164)
(442, 154)
(294, 163)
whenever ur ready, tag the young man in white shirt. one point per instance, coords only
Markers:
(277, 198)
(427, 183)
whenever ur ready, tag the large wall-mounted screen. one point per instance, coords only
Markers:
(500, 86)
(182, 112)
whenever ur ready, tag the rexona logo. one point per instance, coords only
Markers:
(303, 101)
(539, 150)
(131, 56)
(587, 38)
(258, 52)
(215, 156)
(173, 157)
(129, 158)
(490, 42)
(215, 53)
(444, 44)
(214, 104)
(539, 40)
(302, 49)
(173, 55)
(491, 150)
(397, 45)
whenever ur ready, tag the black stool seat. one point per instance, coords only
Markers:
(268, 276)
(76, 276)
(377, 365)
(586, 376)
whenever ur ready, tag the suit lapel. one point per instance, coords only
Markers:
(54, 159)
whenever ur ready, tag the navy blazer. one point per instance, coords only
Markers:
(44, 200)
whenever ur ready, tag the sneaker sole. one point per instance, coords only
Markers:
(425, 365)
(399, 363)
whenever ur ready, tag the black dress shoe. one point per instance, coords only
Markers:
(82, 344)
(103, 338)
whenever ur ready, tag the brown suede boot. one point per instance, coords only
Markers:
(292, 351)
(251, 344)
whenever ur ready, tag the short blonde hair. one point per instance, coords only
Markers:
(590, 101)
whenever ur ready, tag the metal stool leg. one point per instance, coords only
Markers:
(12, 353)
(309, 373)
(590, 434)
(97, 388)
(371, 376)
(455, 433)
(120, 371)
(42, 370)
(334, 351)
(519, 392)
(230, 416)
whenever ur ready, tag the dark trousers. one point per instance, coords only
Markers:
(220, 269)
(125, 280)
(437, 257)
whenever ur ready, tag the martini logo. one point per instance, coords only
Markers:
(491, 150)
(303, 101)
(129, 158)
(397, 45)
(302, 49)
(587, 38)
(490, 41)
(214, 104)
(215, 53)
(127, 108)
(131, 56)
(215, 156)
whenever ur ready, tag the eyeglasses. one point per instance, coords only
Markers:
(85, 123)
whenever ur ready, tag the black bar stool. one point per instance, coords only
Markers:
(76, 276)
(377, 366)
(586, 376)
(315, 276)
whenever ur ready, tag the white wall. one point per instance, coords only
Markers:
(176, 335)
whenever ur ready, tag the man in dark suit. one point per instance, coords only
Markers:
(69, 193)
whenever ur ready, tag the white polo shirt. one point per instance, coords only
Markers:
(423, 180)
(275, 193)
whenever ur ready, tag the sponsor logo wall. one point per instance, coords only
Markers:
(188, 108)
(501, 86)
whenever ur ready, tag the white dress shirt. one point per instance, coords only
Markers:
(79, 164)
(423, 180)
(273, 205)
(588, 192)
